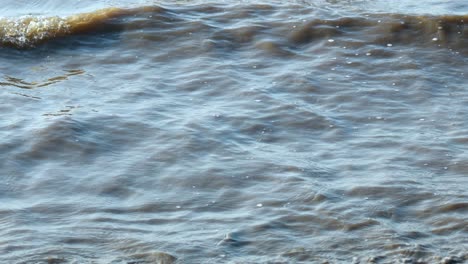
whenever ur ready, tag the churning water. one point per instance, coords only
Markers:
(234, 131)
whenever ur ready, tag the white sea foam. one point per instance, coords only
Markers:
(28, 30)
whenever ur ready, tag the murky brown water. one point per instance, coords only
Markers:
(234, 132)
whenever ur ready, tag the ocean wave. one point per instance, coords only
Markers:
(31, 31)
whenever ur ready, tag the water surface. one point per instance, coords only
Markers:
(233, 132)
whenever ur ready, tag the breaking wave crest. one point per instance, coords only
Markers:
(26, 31)
(29, 31)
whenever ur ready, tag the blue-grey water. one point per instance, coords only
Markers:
(233, 131)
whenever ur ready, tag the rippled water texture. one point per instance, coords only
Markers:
(234, 132)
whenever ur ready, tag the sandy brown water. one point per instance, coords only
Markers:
(234, 132)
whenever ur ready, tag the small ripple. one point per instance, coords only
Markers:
(22, 84)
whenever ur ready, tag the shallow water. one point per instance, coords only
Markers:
(233, 132)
